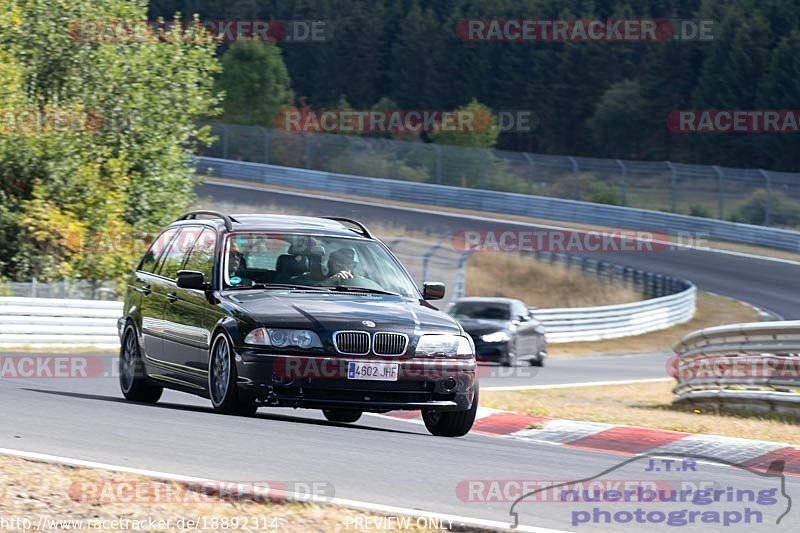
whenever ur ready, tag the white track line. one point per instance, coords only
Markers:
(354, 504)
(582, 384)
(266, 188)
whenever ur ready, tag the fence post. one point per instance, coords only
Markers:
(438, 150)
(768, 200)
(426, 260)
(674, 181)
(34, 287)
(225, 142)
(460, 288)
(485, 177)
(574, 164)
(266, 145)
(721, 187)
(531, 171)
(624, 168)
(352, 153)
(307, 150)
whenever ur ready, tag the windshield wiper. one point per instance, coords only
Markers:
(275, 286)
(345, 288)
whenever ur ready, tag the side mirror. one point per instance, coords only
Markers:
(433, 290)
(189, 279)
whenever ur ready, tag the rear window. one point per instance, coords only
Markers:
(178, 251)
(148, 263)
(482, 310)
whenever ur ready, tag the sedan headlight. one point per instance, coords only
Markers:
(284, 338)
(497, 336)
(444, 346)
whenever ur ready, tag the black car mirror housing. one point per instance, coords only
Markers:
(433, 290)
(190, 279)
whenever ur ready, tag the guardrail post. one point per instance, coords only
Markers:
(674, 187)
(768, 200)
(34, 287)
(721, 189)
(531, 171)
(624, 168)
(576, 177)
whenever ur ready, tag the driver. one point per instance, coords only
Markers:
(341, 266)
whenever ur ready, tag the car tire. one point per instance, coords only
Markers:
(132, 376)
(511, 356)
(451, 423)
(538, 362)
(222, 380)
(342, 415)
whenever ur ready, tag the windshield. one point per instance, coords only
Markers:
(481, 310)
(261, 259)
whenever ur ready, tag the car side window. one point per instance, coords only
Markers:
(148, 263)
(201, 258)
(178, 251)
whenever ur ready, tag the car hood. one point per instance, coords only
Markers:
(477, 327)
(323, 311)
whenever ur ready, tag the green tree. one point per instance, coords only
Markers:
(256, 83)
(619, 119)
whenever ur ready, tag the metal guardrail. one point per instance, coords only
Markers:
(54, 322)
(499, 202)
(714, 191)
(753, 367)
(672, 301)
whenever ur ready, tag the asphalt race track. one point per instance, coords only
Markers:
(377, 460)
(771, 285)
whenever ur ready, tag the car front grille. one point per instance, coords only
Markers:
(352, 342)
(389, 343)
(383, 343)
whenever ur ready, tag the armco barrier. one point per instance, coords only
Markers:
(52, 322)
(615, 321)
(753, 367)
(500, 202)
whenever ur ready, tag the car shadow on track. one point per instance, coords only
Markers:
(208, 410)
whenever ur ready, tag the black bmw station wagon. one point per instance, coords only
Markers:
(268, 310)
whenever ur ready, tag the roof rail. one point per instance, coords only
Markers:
(359, 227)
(192, 215)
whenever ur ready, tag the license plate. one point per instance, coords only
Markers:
(372, 371)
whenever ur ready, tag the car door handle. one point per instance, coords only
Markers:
(144, 289)
(172, 297)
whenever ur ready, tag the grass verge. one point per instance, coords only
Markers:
(712, 310)
(539, 284)
(644, 404)
(98, 500)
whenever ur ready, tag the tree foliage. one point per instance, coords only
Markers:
(409, 51)
(119, 161)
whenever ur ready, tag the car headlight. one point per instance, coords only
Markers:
(284, 338)
(497, 336)
(444, 346)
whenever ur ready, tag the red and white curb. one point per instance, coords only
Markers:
(627, 440)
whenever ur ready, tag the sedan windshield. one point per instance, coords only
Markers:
(296, 260)
(481, 310)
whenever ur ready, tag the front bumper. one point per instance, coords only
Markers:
(321, 382)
